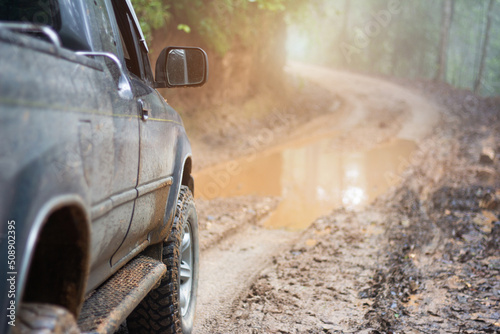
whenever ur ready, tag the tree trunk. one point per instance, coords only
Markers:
(447, 15)
(484, 51)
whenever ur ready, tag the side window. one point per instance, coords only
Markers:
(136, 59)
(106, 34)
(148, 74)
(129, 42)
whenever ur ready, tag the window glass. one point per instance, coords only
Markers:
(127, 38)
(106, 33)
(148, 73)
(136, 57)
(132, 44)
(44, 12)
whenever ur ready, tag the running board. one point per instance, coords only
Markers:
(111, 303)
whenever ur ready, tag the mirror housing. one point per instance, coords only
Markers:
(181, 67)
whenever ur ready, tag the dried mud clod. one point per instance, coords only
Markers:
(442, 274)
(458, 286)
(473, 198)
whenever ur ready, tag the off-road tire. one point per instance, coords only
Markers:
(34, 318)
(160, 311)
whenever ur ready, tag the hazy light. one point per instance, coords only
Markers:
(353, 196)
(297, 45)
(352, 174)
(322, 194)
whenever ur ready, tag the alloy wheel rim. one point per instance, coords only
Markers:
(186, 269)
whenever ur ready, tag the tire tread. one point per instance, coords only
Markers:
(159, 311)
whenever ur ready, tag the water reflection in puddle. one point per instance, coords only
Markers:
(312, 179)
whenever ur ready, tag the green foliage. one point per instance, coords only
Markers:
(152, 14)
(220, 22)
(272, 5)
(184, 27)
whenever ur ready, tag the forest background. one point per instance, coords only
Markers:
(249, 41)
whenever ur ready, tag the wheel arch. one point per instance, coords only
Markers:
(62, 228)
(187, 179)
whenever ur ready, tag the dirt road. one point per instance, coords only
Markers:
(368, 102)
(355, 151)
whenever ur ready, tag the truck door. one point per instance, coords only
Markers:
(114, 195)
(157, 129)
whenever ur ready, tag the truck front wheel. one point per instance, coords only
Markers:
(170, 308)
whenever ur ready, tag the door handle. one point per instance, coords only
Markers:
(143, 109)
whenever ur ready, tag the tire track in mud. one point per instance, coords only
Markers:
(230, 268)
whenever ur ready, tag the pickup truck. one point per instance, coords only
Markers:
(98, 227)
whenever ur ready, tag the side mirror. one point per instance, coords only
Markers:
(181, 67)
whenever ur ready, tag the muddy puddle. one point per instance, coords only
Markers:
(311, 179)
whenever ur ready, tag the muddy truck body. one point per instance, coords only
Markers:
(97, 220)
